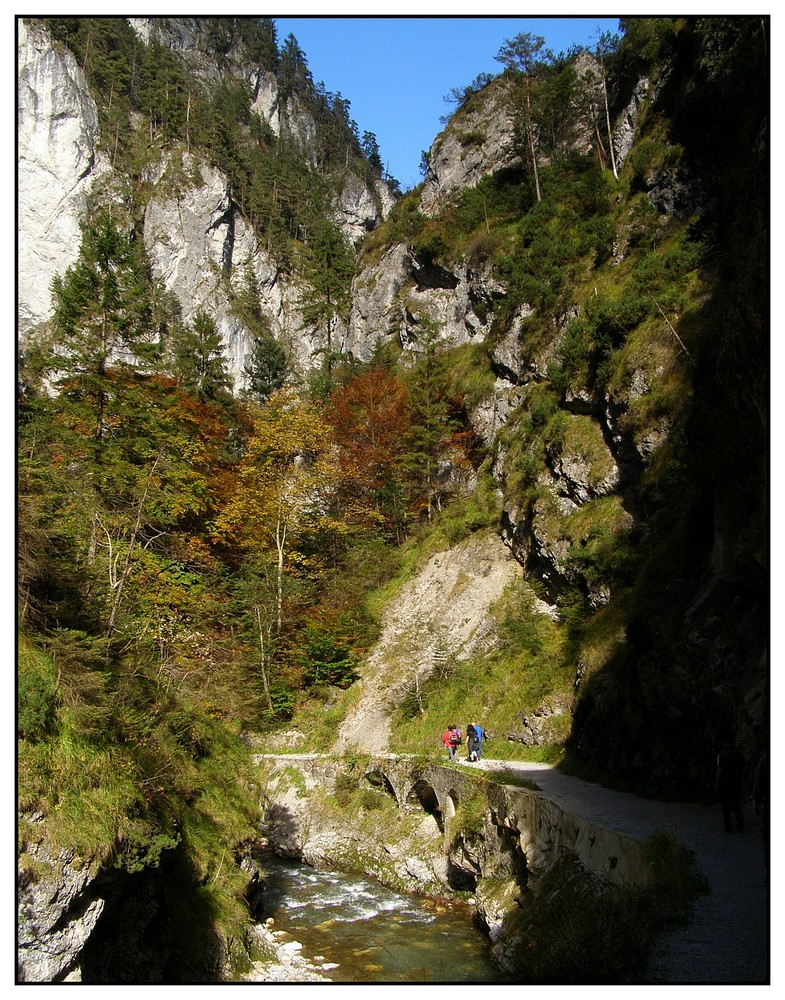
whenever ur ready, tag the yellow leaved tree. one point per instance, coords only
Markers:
(286, 480)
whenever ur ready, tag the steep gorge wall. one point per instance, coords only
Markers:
(647, 461)
(58, 167)
(202, 250)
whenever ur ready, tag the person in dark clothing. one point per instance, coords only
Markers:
(729, 781)
(760, 798)
(475, 735)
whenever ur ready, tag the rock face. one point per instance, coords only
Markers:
(391, 299)
(200, 247)
(199, 243)
(57, 913)
(473, 145)
(58, 166)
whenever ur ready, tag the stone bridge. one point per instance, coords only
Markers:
(524, 829)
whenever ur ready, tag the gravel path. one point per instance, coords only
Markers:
(728, 938)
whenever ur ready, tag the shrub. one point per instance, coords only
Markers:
(326, 657)
(473, 138)
(37, 697)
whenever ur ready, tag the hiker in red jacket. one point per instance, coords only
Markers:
(452, 740)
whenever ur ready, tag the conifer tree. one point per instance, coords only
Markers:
(198, 359)
(102, 321)
(266, 369)
(328, 266)
(431, 421)
(521, 56)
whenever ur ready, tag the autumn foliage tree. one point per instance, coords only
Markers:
(369, 418)
(284, 484)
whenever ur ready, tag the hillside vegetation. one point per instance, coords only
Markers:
(201, 564)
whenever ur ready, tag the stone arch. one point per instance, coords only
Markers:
(378, 779)
(423, 793)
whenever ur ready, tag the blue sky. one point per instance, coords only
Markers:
(396, 71)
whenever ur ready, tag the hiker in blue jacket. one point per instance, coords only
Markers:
(475, 734)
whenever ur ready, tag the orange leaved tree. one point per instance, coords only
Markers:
(370, 417)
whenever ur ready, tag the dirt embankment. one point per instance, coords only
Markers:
(443, 613)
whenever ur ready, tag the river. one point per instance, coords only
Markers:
(372, 934)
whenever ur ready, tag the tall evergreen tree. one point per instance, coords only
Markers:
(432, 423)
(328, 266)
(198, 359)
(102, 321)
(266, 370)
(522, 58)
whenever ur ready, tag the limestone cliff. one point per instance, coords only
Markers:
(59, 164)
(602, 463)
(202, 248)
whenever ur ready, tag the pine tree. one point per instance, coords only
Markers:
(198, 359)
(521, 56)
(102, 321)
(266, 370)
(432, 423)
(328, 266)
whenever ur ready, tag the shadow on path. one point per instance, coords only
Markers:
(728, 938)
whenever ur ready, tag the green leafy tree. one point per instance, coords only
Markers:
(198, 359)
(255, 593)
(326, 656)
(266, 370)
(607, 45)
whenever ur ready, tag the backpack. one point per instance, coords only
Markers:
(455, 738)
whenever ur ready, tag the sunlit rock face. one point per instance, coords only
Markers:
(200, 245)
(472, 146)
(58, 164)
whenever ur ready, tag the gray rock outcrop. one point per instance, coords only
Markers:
(201, 249)
(57, 913)
(58, 166)
(472, 146)
(391, 298)
(200, 245)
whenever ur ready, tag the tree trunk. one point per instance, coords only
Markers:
(280, 544)
(530, 137)
(608, 123)
(263, 656)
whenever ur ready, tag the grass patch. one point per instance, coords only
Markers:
(319, 716)
(528, 665)
(578, 930)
